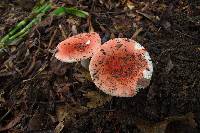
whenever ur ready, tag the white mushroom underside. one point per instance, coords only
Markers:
(147, 73)
(66, 59)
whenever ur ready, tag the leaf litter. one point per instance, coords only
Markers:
(50, 96)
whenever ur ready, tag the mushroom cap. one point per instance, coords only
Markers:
(78, 47)
(121, 67)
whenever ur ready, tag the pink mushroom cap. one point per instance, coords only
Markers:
(120, 67)
(78, 47)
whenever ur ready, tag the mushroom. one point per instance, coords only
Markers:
(121, 67)
(78, 48)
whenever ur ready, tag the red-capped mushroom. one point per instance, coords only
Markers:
(78, 47)
(120, 67)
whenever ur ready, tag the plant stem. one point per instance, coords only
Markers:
(11, 35)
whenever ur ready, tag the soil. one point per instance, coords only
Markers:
(41, 94)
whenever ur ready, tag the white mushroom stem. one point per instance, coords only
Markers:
(85, 63)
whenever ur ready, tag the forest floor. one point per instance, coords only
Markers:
(40, 94)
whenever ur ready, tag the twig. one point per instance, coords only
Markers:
(62, 31)
(136, 33)
(31, 66)
(51, 40)
(150, 17)
(5, 115)
(91, 29)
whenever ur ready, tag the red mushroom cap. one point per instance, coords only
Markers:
(120, 67)
(78, 47)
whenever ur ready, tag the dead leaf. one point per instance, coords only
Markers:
(64, 88)
(66, 114)
(58, 67)
(121, 23)
(148, 16)
(130, 5)
(12, 123)
(59, 127)
(147, 127)
(160, 127)
(35, 122)
(96, 99)
(82, 74)
(79, 77)
(61, 114)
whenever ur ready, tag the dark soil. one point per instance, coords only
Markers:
(41, 94)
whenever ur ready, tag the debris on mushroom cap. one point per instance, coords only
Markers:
(120, 67)
(78, 47)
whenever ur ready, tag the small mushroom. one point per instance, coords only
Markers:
(79, 47)
(121, 67)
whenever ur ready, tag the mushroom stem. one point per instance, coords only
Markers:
(85, 63)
